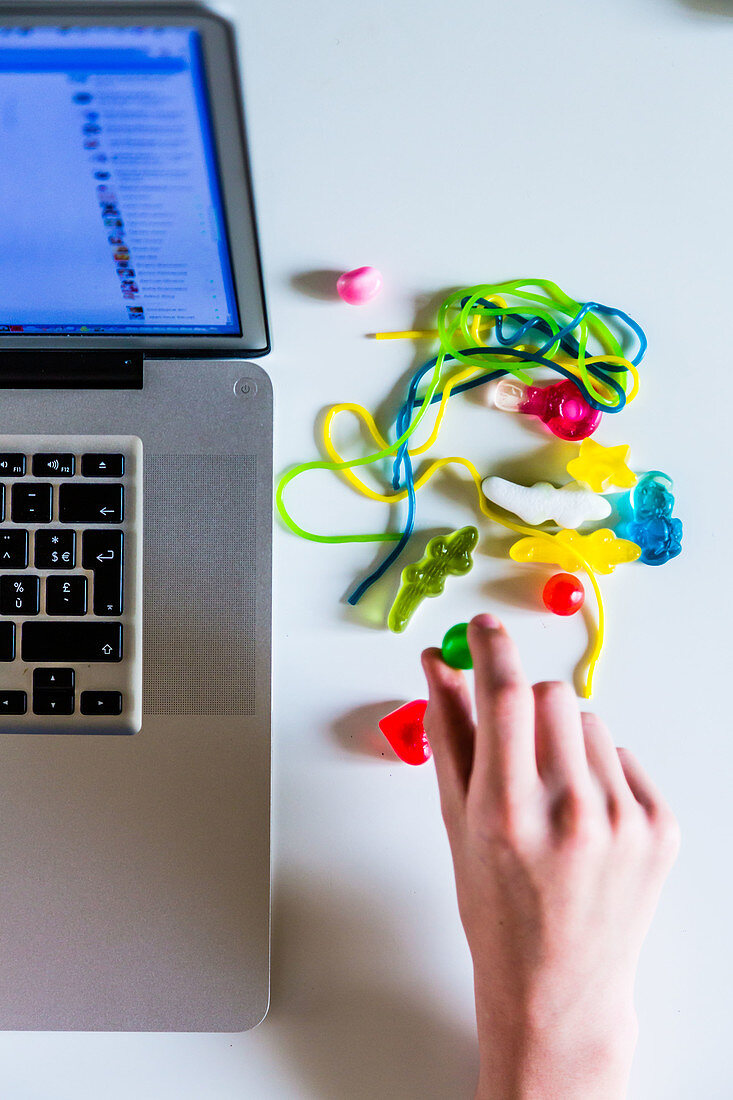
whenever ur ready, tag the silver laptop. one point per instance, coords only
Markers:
(135, 520)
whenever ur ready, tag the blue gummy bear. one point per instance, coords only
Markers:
(646, 515)
(652, 498)
(660, 538)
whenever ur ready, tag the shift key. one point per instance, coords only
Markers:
(69, 642)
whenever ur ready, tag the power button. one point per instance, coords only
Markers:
(245, 387)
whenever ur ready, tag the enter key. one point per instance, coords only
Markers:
(102, 553)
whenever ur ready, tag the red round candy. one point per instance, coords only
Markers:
(563, 594)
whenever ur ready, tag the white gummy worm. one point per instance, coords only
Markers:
(569, 507)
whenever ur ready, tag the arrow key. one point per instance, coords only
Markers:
(101, 702)
(51, 701)
(12, 702)
(45, 678)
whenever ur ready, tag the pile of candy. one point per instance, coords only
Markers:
(508, 333)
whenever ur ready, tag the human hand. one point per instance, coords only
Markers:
(560, 845)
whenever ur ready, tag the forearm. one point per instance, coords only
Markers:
(523, 1059)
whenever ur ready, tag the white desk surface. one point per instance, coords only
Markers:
(449, 145)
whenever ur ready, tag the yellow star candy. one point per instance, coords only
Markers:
(600, 467)
(601, 549)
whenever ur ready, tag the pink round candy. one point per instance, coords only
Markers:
(359, 286)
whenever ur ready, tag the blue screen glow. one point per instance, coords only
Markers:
(111, 217)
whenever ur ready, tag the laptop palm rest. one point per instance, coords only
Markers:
(136, 869)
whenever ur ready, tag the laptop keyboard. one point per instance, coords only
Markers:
(70, 584)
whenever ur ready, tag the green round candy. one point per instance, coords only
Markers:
(455, 647)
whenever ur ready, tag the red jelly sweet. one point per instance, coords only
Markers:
(563, 594)
(405, 732)
(563, 409)
(561, 406)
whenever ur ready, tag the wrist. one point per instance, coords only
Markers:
(534, 1053)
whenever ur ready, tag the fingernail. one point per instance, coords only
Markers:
(488, 622)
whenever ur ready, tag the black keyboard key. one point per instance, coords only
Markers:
(66, 596)
(19, 595)
(44, 678)
(31, 503)
(53, 549)
(2, 501)
(7, 641)
(53, 465)
(53, 702)
(101, 702)
(102, 552)
(12, 465)
(79, 503)
(102, 465)
(13, 549)
(88, 641)
(13, 702)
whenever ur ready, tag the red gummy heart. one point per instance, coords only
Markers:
(405, 732)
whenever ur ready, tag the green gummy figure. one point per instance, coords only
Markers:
(455, 647)
(444, 554)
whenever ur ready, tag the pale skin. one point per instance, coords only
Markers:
(560, 844)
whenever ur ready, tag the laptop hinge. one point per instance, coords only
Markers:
(71, 370)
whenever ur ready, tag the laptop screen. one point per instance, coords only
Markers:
(111, 216)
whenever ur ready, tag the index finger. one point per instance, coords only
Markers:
(449, 725)
(504, 762)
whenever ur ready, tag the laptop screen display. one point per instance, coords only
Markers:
(111, 216)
